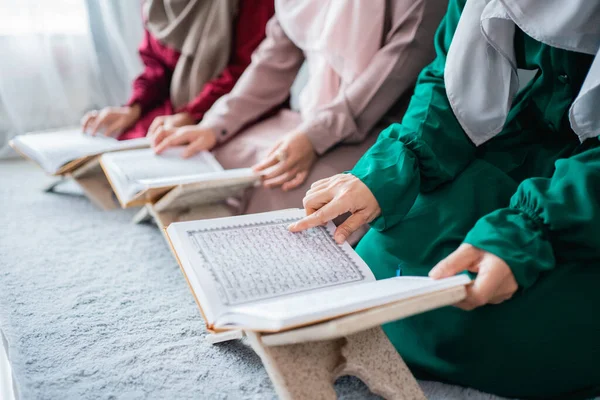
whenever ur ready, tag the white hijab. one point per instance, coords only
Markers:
(481, 71)
(339, 38)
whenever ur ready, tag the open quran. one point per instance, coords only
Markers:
(249, 272)
(140, 176)
(61, 152)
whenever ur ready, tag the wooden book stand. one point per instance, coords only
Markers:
(190, 202)
(90, 177)
(305, 362)
(309, 370)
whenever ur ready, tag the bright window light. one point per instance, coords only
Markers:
(27, 17)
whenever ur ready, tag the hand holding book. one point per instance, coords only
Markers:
(110, 121)
(495, 282)
(194, 138)
(165, 122)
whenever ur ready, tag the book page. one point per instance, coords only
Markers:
(52, 150)
(133, 172)
(247, 259)
(264, 260)
(143, 165)
(312, 307)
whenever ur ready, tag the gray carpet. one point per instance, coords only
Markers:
(93, 307)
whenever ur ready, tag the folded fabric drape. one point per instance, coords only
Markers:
(198, 29)
(336, 55)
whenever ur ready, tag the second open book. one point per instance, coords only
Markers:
(140, 176)
(251, 273)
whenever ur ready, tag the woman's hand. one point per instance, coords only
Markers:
(169, 122)
(495, 281)
(289, 162)
(332, 197)
(195, 139)
(110, 121)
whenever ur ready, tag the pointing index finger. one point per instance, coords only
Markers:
(319, 217)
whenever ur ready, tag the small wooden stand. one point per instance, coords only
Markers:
(190, 202)
(304, 363)
(309, 370)
(92, 181)
(164, 217)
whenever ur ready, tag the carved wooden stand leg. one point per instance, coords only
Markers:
(49, 188)
(308, 370)
(93, 182)
(370, 356)
(98, 190)
(143, 215)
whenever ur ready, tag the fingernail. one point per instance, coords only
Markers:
(434, 274)
(291, 226)
(339, 238)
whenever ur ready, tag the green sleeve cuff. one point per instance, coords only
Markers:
(390, 171)
(519, 239)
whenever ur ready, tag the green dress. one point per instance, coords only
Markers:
(531, 196)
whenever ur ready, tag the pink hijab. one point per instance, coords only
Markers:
(339, 39)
